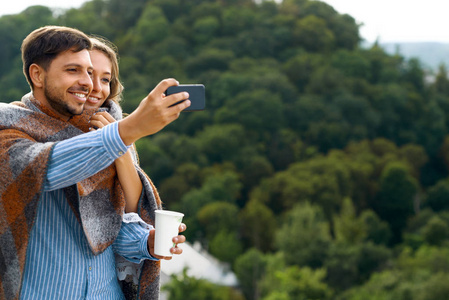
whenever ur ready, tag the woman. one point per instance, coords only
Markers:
(107, 86)
(104, 99)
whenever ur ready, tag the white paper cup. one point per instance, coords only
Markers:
(167, 227)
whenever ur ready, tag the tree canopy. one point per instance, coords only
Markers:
(319, 169)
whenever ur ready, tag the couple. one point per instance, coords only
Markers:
(71, 197)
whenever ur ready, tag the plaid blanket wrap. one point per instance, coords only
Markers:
(28, 132)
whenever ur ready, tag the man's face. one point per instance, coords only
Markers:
(68, 82)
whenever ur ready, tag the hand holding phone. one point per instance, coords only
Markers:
(197, 95)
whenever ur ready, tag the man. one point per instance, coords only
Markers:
(61, 204)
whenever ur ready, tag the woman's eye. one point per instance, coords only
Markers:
(106, 80)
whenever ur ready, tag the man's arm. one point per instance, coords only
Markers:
(80, 157)
(131, 242)
(135, 241)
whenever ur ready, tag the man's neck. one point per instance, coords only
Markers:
(47, 108)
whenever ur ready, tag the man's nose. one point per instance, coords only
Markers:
(86, 80)
(96, 86)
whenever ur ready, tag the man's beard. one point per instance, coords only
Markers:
(55, 99)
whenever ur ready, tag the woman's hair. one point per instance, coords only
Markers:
(110, 50)
(44, 44)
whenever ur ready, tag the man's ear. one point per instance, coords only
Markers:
(37, 75)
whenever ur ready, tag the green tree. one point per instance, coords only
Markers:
(218, 216)
(351, 63)
(151, 27)
(253, 167)
(208, 59)
(348, 227)
(415, 275)
(437, 196)
(186, 287)
(396, 197)
(258, 42)
(156, 163)
(377, 231)
(349, 265)
(285, 148)
(304, 236)
(312, 33)
(13, 29)
(442, 81)
(219, 187)
(226, 246)
(434, 288)
(325, 81)
(258, 225)
(415, 156)
(82, 18)
(346, 31)
(436, 231)
(235, 19)
(123, 15)
(299, 283)
(249, 269)
(222, 187)
(415, 74)
(323, 181)
(221, 142)
(205, 29)
(257, 111)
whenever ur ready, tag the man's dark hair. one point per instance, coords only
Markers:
(44, 44)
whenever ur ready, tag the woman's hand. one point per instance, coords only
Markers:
(100, 120)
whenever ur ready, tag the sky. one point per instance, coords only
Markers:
(398, 20)
(383, 20)
(16, 6)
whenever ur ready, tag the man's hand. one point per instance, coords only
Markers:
(153, 113)
(176, 240)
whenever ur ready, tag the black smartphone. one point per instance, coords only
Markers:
(197, 95)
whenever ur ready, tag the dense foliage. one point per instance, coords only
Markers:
(319, 169)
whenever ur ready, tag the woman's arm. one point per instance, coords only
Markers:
(126, 171)
(129, 180)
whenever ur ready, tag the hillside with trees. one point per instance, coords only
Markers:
(431, 54)
(319, 169)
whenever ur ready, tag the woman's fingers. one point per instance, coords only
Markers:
(101, 119)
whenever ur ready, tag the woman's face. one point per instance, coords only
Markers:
(101, 79)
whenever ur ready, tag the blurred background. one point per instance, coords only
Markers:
(319, 169)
